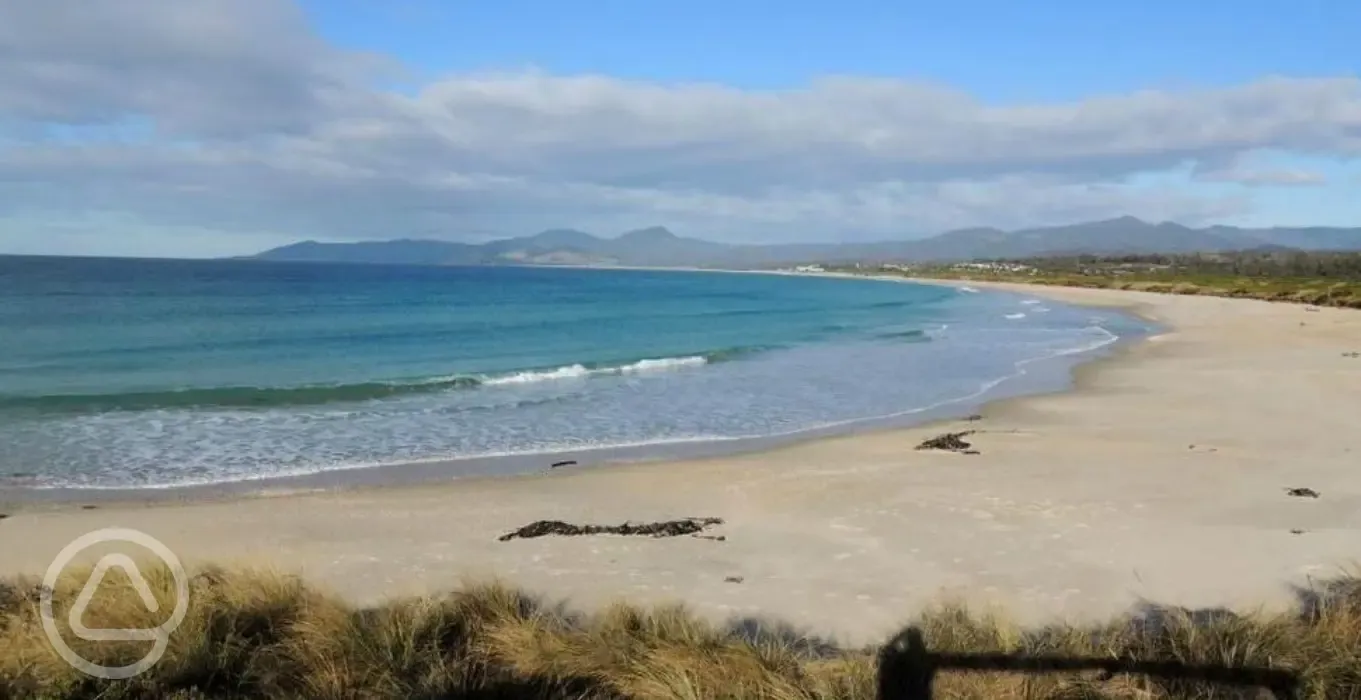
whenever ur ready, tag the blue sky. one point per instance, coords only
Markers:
(212, 127)
(995, 49)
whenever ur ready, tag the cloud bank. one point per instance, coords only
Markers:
(207, 118)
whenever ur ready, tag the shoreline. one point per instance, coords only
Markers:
(1159, 478)
(436, 471)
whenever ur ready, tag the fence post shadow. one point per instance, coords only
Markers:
(907, 669)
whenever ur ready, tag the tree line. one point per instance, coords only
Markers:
(1293, 263)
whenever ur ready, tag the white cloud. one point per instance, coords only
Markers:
(1266, 176)
(217, 118)
(195, 68)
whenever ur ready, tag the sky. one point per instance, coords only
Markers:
(200, 128)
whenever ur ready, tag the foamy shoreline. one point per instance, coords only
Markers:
(1161, 478)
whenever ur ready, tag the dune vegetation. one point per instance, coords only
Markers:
(1316, 278)
(1312, 291)
(256, 634)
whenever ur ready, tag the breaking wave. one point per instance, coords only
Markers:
(251, 397)
(918, 335)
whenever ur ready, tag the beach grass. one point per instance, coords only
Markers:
(260, 634)
(1303, 290)
(1317, 278)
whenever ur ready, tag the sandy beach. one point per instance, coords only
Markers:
(1161, 478)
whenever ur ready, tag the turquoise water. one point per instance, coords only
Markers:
(140, 373)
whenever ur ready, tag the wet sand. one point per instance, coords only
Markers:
(1162, 477)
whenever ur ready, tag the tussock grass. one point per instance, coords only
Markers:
(259, 634)
(1312, 291)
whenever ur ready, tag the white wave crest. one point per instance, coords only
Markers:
(568, 372)
(661, 364)
(1013, 317)
(578, 371)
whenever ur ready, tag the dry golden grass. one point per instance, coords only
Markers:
(1315, 291)
(260, 634)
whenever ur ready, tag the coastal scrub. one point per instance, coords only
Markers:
(260, 634)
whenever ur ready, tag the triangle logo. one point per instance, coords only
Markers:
(139, 583)
(159, 636)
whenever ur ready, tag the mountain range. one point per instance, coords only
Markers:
(659, 247)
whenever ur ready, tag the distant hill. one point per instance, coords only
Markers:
(659, 247)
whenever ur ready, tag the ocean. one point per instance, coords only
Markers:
(119, 373)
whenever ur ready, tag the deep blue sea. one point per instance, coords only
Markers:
(148, 373)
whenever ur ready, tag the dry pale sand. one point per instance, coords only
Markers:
(1162, 478)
